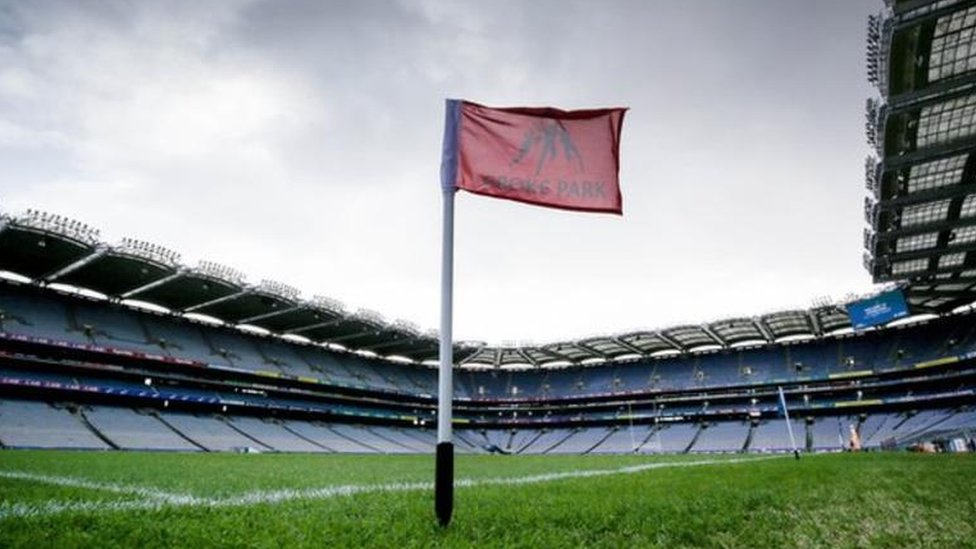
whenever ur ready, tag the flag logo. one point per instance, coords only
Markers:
(547, 136)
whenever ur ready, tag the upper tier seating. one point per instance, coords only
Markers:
(44, 313)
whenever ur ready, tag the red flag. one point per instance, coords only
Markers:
(545, 156)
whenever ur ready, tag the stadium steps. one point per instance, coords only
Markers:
(516, 441)
(396, 383)
(418, 384)
(317, 444)
(900, 423)
(968, 340)
(891, 356)
(463, 384)
(72, 317)
(650, 434)
(177, 431)
(215, 351)
(653, 379)
(808, 435)
(79, 413)
(71, 313)
(208, 342)
(748, 442)
(462, 440)
(694, 439)
(458, 436)
(529, 444)
(265, 359)
(7, 318)
(341, 365)
(957, 423)
(614, 375)
(473, 384)
(2, 444)
(91, 328)
(245, 434)
(393, 380)
(414, 434)
(353, 370)
(865, 437)
(610, 433)
(412, 449)
(511, 438)
(144, 328)
(491, 440)
(559, 442)
(319, 370)
(541, 388)
(921, 430)
(353, 440)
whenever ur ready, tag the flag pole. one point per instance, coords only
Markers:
(444, 466)
(444, 475)
(789, 426)
(491, 131)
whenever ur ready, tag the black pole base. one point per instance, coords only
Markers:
(796, 454)
(444, 483)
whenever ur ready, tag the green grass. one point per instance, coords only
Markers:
(883, 500)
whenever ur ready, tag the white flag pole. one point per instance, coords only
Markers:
(789, 426)
(444, 467)
(444, 484)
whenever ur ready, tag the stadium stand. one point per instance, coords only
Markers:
(273, 435)
(211, 432)
(624, 439)
(134, 430)
(509, 441)
(773, 436)
(320, 435)
(420, 443)
(671, 438)
(727, 436)
(371, 439)
(583, 441)
(31, 424)
(827, 434)
(545, 440)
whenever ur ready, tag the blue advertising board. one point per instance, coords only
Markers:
(880, 309)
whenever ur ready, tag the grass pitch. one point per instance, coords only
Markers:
(96, 499)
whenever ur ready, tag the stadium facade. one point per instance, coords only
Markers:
(151, 354)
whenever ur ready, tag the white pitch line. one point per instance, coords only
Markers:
(76, 482)
(548, 477)
(156, 499)
(50, 508)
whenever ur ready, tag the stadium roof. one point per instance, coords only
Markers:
(54, 250)
(922, 187)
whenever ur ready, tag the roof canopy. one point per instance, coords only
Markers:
(921, 206)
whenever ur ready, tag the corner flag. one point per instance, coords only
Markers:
(543, 156)
(785, 412)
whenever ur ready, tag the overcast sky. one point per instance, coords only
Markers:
(299, 141)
